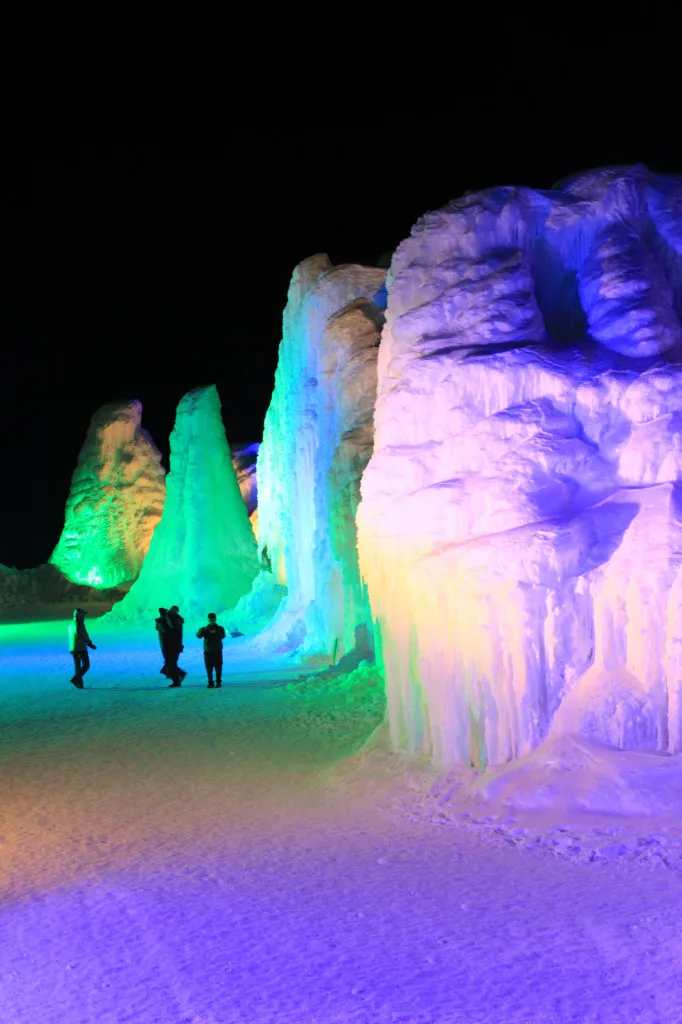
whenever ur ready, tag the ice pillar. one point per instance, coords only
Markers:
(115, 502)
(203, 555)
(316, 442)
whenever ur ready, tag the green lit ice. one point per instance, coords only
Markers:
(115, 502)
(203, 555)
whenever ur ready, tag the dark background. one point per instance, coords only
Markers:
(142, 270)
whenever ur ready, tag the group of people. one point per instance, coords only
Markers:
(169, 626)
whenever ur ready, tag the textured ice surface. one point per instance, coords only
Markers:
(203, 555)
(244, 458)
(520, 524)
(116, 499)
(317, 440)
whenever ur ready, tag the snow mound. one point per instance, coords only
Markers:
(348, 699)
(354, 685)
(573, 775)
(572, 799)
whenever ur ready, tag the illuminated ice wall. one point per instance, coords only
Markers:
(244, 459)
(203, 555)
(520, 528)
(116, 499)
(317, 440)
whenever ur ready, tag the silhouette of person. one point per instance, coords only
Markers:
(79, 641)
(213, 636)
(173, 645)
(162, 630)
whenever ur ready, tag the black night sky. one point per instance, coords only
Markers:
(143, 270)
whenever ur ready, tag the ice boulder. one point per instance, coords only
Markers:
(116, 500)
(317, 440)
(203, 555)
(520, 528)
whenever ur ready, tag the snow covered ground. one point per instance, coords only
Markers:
(214, 857)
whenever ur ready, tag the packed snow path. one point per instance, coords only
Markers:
(186, 857)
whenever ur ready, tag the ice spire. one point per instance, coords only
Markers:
(203, 555)
(317, 440)
(115, 502)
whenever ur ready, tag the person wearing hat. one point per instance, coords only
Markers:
(79, 641)
(213, 635)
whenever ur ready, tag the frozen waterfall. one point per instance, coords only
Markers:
(317, 440)
(520, 529)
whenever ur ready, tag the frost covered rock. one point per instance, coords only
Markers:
(116, 499)
(520, 528)
(203, 555)
(317, 440)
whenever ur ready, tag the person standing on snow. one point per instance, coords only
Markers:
(213, 636)
(162, 630)
(173, 645)
(79, 641)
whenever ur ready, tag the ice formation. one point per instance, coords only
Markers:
(520, 528)
(116, 499)
(244, 460)
(45, 591)
(317, 440)
(203, 554)
(253, 519)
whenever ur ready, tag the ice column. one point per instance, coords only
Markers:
(317, 440)
(203, 555)
(116, 499)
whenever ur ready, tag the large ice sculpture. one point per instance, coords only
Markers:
(116, 499)
(520, 528)
(203, 554)
(317, 440)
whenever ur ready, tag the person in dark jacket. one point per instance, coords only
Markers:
(162, 630)
(173, 645)
(79, 641)
(213, 636)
